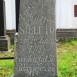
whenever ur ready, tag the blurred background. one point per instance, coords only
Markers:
(65, 18)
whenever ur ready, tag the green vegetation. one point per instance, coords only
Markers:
(66, 59)
(10, 53)
(6, 68)
(6, 54)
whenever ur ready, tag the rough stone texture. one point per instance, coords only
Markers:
(35, 54)
(4, 43)
(16, 39)
(11, 34)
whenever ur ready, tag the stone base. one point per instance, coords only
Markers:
(63, 34)
(4, 43)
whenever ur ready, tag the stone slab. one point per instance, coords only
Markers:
(35, 54)
(4, 43)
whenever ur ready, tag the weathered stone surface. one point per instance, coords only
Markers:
(35, 54)
(4, 39)
(4, 43)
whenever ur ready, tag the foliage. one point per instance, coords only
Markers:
(67, 58)
(6, 68)
(6, 54)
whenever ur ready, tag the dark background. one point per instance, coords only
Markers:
(1, 19)
(17, 13)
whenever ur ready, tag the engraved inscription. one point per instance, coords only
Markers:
(36, 49)
(37, 30)
(38, 59)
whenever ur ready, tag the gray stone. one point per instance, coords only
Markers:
(35, 54)
(11, 34)
(4, 39)
(4, 43)
(15, 39)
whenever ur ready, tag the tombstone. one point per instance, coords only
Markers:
(35, 54)
(17, 2)
(4, 39)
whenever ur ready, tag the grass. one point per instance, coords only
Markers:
(6, 54)
(66, 60)
(6, 68)
(10, 53)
